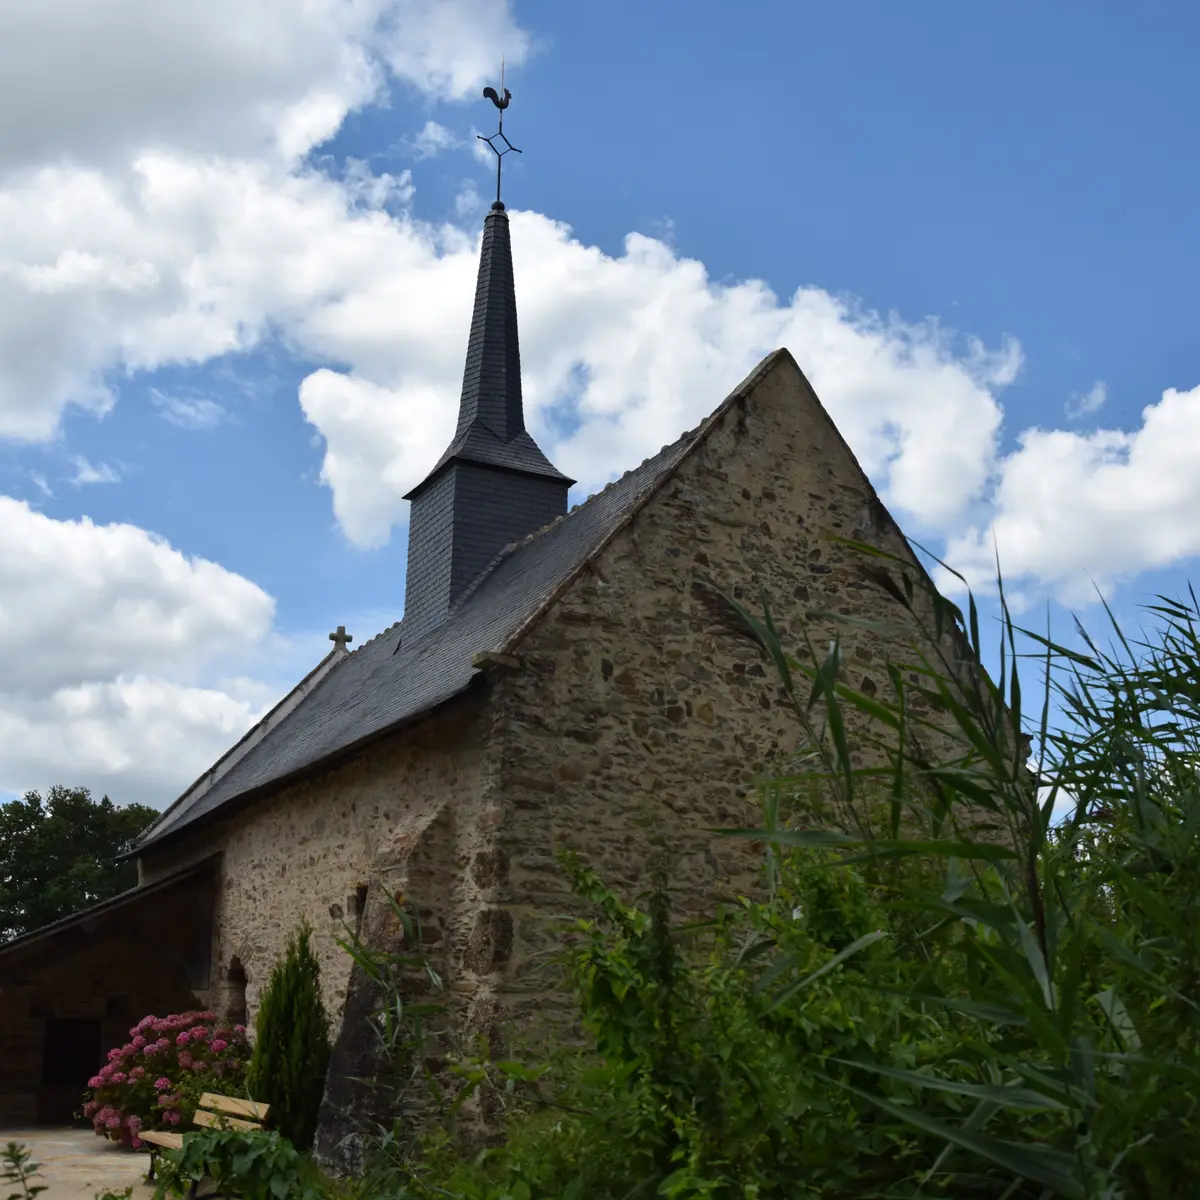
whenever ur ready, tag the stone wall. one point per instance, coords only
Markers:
(635, 715)
(628, 725)
(633, 720)
(312, 849)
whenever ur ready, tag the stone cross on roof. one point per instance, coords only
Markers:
(340, 639)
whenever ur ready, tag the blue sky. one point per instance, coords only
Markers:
(238, 338)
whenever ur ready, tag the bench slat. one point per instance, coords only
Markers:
(211, 1119)
(230, 1104)
(160, 1137)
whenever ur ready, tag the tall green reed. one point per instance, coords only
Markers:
(1067, 947)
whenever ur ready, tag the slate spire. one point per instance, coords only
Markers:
(493, 485)
(491, 394)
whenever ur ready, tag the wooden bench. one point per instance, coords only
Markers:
(212, 1110)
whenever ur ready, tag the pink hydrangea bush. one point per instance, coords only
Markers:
(156, 1078)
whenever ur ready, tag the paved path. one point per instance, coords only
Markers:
(76, 1164)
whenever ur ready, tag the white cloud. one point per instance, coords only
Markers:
(468, 201)
(101, 83)
(188, 412)
(432, 140)
(656, 345)
(450, 48)
(370, 191)
(1091, 401)
(1073, 510)
(86, 603)
(189, 259)
(107, 638)
(183, 261)
(139, 738)
(481, 150)
(106, 246)
(86, 472)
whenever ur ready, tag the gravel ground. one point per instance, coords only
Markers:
(76, 1164)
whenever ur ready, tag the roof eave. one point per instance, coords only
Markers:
(206, 866)
(247, 741)
(555, 474)
(242, 800)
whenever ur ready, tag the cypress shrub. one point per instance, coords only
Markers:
(291, 1049)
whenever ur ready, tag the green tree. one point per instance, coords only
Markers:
(59, 854)
(291, 1049)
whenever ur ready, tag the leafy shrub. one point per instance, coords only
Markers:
(291, 1048)
(251, 1163)
(156, 1079)
(711, 1072)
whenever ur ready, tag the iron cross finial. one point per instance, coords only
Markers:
(501, 100)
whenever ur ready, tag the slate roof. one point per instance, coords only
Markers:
(478, 444)
(390, 681)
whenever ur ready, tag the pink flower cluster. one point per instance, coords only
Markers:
(139, 1087)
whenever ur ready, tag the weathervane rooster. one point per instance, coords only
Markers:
(501, 100)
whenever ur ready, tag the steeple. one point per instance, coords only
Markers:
(493, 485)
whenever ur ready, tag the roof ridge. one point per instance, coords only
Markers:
(382, 633)
(512, 547)
(739, 393)
(363, 702)
(278, 712)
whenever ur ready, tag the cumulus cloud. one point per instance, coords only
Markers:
(106, 247)
(481, 150)
(100, 84)
(432, 140)
(619, 355)
(172, 265)
(189, 259)
(108, 633)
(448, 47)
(139, 739)
(88, 602)
(468, 201)
(1074, 511)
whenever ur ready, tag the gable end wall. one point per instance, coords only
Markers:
(635, 714)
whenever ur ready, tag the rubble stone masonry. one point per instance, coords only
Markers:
(623, 715)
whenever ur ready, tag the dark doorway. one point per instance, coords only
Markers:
(235, 1002)
(71, 1054)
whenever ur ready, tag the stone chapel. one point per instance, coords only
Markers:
(556, 682)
